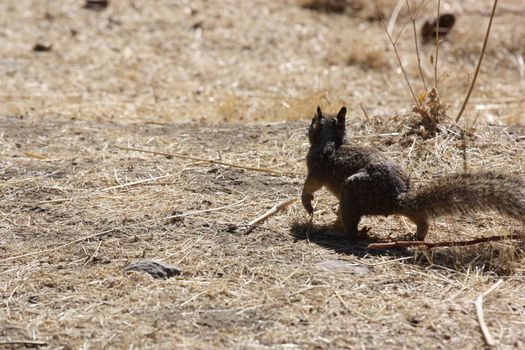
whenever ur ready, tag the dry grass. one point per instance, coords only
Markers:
(75, 210)
(260, 290)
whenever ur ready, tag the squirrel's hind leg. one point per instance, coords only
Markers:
(350, 220)
(351, 203)
(421, 221)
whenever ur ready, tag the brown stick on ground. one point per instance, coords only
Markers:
(183, 156)
(276, 208)
(430, 245)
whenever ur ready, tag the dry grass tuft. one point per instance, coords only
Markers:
(232, 108)
(368, 57)
(296, 108)
(357, 50)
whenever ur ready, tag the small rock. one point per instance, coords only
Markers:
(42, 47)
(154, 269)
(415, 320)
(96, 5)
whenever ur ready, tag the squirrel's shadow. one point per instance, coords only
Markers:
(480, 257)
(317, 234)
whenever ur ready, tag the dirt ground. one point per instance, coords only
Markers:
(237, 82)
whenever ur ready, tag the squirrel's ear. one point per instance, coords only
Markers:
(315, 126)
(341, 117)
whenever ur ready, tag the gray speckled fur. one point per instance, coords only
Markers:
(366, 182)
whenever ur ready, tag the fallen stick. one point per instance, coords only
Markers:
(430, 245)
(276, 208)
(134, 183)
(479, 312)
(57, 248)
(231, 165)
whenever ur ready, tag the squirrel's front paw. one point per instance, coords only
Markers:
(306, 199)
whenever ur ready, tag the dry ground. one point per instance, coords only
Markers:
(130, 75)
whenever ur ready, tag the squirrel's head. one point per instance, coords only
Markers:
(325, 129)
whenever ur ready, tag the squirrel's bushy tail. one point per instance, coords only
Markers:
(463, 193)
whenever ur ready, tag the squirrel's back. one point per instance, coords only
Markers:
(332, 165)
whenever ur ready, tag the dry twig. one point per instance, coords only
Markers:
(276, 208)
(183, 156)
(479, 312)
(134, 183)
(367, 117)
(430, 245)
(479, 62)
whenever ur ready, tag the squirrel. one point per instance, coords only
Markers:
(366, 182)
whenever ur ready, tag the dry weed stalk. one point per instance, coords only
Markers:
(428, 107)
(413, 20)
(394, 46)
(479, 312)
(437, 47)
(485, 41)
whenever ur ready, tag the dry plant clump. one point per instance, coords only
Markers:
(428, 115)
(232, 108)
